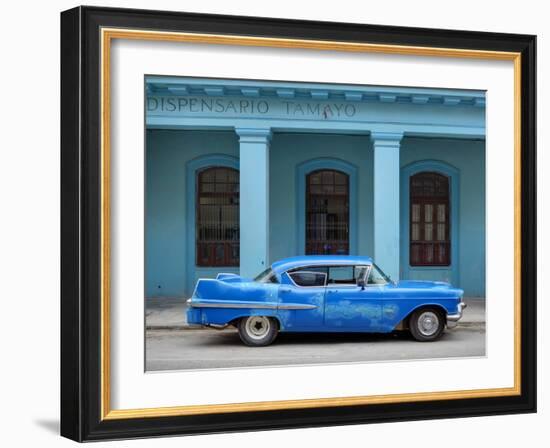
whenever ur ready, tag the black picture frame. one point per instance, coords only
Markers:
(81, 224)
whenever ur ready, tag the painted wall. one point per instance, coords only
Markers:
(168, 153)
(468, 157)
(288, 151)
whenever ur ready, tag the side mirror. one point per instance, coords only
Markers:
(361, 283)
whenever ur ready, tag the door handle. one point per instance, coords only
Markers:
(285, 290)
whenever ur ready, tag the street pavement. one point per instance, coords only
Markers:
(172, 345)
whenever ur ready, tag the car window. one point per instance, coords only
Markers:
(323, 269)
(267, 276)
(346, 275)
(360, 272)
(377, 277)
(308, 278)
(341, 275)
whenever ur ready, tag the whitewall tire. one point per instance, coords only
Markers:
(258, 331)
(427, 324)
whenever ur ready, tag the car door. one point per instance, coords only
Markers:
(349, 305)
(301, 299)
(384, 292)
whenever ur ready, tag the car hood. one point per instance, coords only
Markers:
(427, 288)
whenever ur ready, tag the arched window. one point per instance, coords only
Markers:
(327, 212)
(430, 239)
(217, 217)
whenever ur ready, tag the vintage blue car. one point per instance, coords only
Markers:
(324, 293)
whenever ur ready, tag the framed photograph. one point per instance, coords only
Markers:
(274, 223)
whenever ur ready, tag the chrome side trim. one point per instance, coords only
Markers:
(231, 305)
(255, 305)
(297, 306)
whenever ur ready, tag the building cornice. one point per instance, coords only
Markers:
(173, 86)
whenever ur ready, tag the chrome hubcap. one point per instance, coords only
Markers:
(257, 326)
(428, 323)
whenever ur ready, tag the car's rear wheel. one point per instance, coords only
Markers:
(427, 324)
(257, 331)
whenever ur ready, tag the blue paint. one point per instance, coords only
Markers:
(443, 126)
(302, 170)
(169, 198)
(330, 308)
(464, 162)
(291, 153)
(254, 199)
(450, 273)
(450, 130)
(318, 260)
(193, 167)
(227, 104)
(386, 201)
(159, 84)
(170, 209)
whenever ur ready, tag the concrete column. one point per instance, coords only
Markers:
(386, 201)
(254, 199)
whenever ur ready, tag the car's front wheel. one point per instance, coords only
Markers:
(257, 331)
(427, 324)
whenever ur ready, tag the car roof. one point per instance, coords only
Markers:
(319, 260)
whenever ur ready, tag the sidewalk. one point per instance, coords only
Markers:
(474, 312)
(169, 313)
(165, 313)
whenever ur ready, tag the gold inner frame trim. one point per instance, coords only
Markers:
(107, 35)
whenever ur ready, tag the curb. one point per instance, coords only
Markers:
(176, 327)
(182, 327)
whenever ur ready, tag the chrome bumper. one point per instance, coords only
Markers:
(452, 319)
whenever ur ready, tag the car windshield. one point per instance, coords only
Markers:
(267, 276)
(377, 277)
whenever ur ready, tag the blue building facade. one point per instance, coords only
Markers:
(242, 173)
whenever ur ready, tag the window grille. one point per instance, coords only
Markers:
(327, 213)
(430, 243)
(217, 217)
